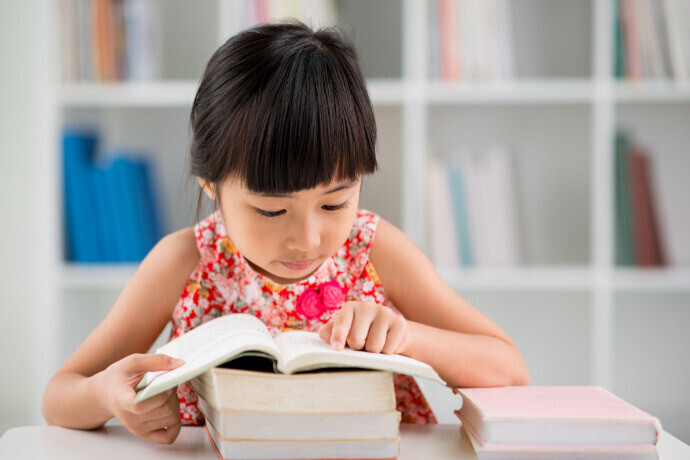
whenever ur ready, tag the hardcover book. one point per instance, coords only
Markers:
(236, 335)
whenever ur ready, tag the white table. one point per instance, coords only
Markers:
(433, 442)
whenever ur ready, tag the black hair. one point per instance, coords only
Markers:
(283, 108)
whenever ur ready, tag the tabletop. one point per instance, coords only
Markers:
(438, 442)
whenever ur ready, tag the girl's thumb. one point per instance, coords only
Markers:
(152, 362)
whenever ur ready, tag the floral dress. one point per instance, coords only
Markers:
(223, 283)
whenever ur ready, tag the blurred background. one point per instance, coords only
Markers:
(537, 150)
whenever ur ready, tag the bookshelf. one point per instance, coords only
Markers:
(567, 305)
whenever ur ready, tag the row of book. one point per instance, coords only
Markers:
(110, 40)
(110, 205)
(121, 40)
(555, 423)
(471, 40)
(473, 211)
(652, 39)
(638, 238)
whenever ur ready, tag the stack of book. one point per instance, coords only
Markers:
(549, 423)
(260, 415)
(639, 240)
(288, 396)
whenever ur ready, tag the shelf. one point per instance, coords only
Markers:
(518, 278)
(180, 93)
(512, 92)
(652, 279)
(83, 276)
(651, 91)
(129, 94)
(382, 92)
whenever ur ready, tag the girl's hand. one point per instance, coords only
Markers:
(155, 419)
(366, 326)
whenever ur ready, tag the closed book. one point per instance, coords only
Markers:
(331, 449)
(236, 425)
(556, 416)
(239, 390)
(483, 451)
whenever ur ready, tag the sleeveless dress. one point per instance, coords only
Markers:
(223, 283)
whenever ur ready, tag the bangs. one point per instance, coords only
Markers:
(301, 116)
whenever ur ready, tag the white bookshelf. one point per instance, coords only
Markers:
(560, 114)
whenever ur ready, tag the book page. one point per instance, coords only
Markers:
(206, 346)
(303, 350)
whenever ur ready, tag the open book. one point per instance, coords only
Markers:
(232, 336)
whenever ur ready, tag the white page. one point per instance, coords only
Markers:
(302, 350)
(209, 345)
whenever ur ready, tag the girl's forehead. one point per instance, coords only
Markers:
(321, 189)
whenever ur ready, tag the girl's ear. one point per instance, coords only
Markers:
(209, 189)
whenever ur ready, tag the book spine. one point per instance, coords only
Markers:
(78, 152)
(623, 225)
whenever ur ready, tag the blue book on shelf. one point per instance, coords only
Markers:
(148, 204)
(460, 213)
(80, 207)
(120, 183)
(104, 212)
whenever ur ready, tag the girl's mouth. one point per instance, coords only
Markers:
(298, 265)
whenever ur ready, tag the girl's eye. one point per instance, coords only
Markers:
(269, 213)
(335, 207)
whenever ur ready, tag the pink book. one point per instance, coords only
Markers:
(555, 416)
(542, 452)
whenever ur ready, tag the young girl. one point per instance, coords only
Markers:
(283, 133)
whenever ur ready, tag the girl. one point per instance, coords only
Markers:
(283, 133)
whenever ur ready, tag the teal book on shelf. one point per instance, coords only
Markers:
(625, 251)
(460, 213)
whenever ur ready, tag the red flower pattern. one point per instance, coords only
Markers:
(223, 283)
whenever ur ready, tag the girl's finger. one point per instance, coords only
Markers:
(377, 336)
(394, 339)
(325, 331)
(361, 323)
(341, 326)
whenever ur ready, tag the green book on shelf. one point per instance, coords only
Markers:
(625, 250)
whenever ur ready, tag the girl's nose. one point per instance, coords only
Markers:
(305, 236)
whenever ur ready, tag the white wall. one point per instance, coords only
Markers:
(21, 187)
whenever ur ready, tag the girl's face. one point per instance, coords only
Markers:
(287, 237)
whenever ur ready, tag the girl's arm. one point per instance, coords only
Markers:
(97, 382)
(440, 328)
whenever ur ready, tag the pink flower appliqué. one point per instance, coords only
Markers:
(315, 301)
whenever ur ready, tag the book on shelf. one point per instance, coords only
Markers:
(556, 422)
(473, 210)
(471, 40)
(638, 237)
(650, 39)
(236, 335)
(111, 208)
(110, 40)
